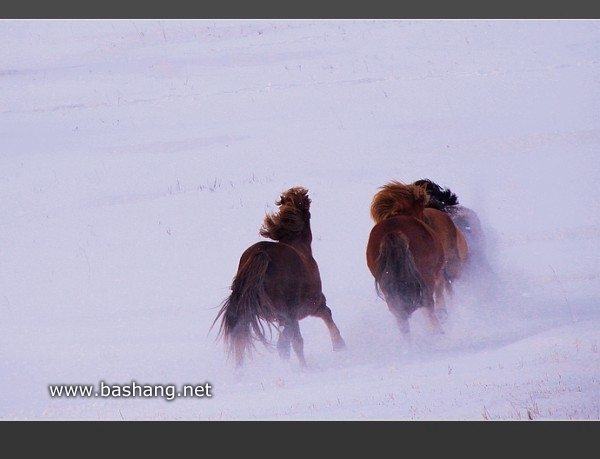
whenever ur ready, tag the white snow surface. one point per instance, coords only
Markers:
(138, 159)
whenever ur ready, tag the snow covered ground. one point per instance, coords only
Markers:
(138, 159)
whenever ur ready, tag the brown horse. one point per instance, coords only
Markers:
(456, 252)
(465, 219)
(404, 254)
(277, 284)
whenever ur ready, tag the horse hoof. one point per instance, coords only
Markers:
(442, 314)
(340, 346)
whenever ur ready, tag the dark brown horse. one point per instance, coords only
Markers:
(466, 220)
(456, 253)
(404, 254)
(277, 284)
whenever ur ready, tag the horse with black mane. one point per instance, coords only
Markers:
(466, 220)
(277, 284)
(405, 255)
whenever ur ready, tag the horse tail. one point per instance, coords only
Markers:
(247, 309)
(397, 274)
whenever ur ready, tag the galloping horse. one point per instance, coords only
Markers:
(466, 220)
(405, 255)
(456, 252)
(277, 284)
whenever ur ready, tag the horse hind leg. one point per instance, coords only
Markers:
(290, 337)
(395, 306)
(298, 344)
(440, 308)
(324, 313)
(432, 314)
(284, 343)
(402, 319)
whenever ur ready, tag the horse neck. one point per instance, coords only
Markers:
(303, 242)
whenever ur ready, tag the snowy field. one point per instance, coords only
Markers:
(138, 159)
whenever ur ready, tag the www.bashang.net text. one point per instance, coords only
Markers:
(132, 390)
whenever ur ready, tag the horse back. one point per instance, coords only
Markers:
(292, 279)
(452, 237)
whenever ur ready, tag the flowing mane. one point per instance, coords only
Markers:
(291, 219)
(439, 198)
(397, 198)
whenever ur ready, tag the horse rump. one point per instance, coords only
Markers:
(397, 278)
